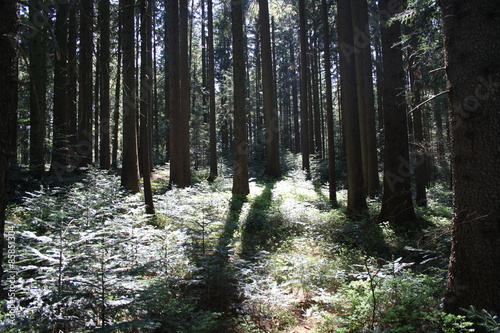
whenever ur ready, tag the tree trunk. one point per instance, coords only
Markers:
(85, 137)
(397, 205)
(130, 168)
(184, 65)
(304, 112)
(116, 111)
(472, 44)
(60, 128)
(38, 89)
(329, 105)
(240, 176)
(356, 200)
(146, 102)
(211, 91)
(8, 100)
(272, 167)
(104, 128)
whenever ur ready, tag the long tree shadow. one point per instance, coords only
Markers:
(220, 291)
(263, 228)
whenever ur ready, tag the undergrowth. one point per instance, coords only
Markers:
(88, 259)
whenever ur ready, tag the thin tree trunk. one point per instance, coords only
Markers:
(60, 124)
(211, 91)
(116, 111)
(130, 168)
(146, 102)
(329, 106)
(304, 117)
(104, 128)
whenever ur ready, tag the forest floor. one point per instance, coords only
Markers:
(280, 259)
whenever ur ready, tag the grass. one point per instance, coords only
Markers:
(280, 259)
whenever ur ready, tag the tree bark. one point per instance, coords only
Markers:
(130, 168)
(38, 89)
(211, 91)
(240, 176)
(397, 205)
(356, 200)
(60, 125)
(272, 168)
(329, 105)
(8, 100)
(472, 51)
(146, 101)
(104, 128)
(304, 112)
(85, 138)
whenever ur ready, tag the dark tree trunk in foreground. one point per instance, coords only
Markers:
(304, 113)
(397, 205)
(38, 90)
(240, 176)
(472, 48)
(356, 199)
(272, 168)
(184, 137)
(329, 105)
(130, 168)
(8, 100)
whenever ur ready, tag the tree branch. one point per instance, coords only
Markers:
(428, 100)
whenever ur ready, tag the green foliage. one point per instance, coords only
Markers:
(488, 320)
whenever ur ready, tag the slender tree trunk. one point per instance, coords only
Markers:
(295, 99)
(60, 121)
(272, 167)
(329, 105)
(85, 137)
(130, 168)
(168, 60)
(356, 201)
(211, 91)
(397, 205)
(104, 128)
(185, 83)
(8, 100)
(146, 101)
(38, 89)
(472, 44)
(72, 91)
(116, 111)
(240, 176)
(304, 117)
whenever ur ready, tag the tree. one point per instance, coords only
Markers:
(472, 42)
(38, 88)
(8, 96)
(104, 59)
(85, 139)
(211, 91)
(180, 168)
(356, 199)
(146, 101)
(304, 117)
(329, 105)
(366, 99)
(60, 121)
(272, 167)
(240, 176)
(130, 168)
(397, 205)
